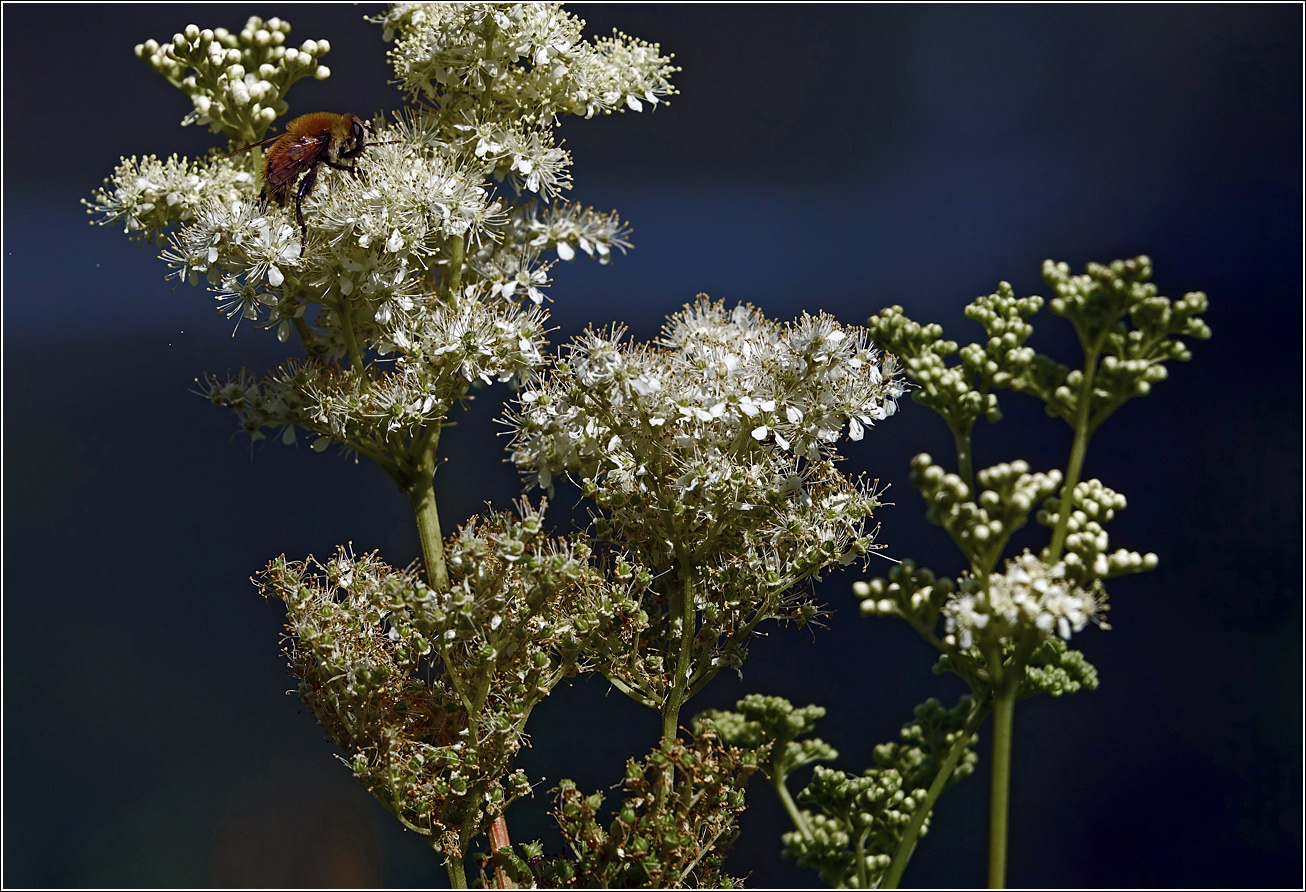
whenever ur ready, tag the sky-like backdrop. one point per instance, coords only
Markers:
(833, 157)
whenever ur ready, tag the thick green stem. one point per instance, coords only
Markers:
(421, 494)
(911, 834)
(683, 606)
(457, 873)
(1004, 709)
(456, 248)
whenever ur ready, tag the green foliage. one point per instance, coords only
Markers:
(1055, 669)
(662, 834)
(770, 725)
(1005, 631)
(858, 823)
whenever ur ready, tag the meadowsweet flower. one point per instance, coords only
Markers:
(1029, 595)
(679, 443)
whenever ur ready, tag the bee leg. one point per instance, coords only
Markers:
(305, 187)
(353, 170)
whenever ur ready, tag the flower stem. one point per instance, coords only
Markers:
(911, 834)
(964, 466)
(351, 343)
(1077, 451)
(499, 839)
(1004, 709)
(791, 808)
(457, 873)
(456, 248)
(421, 494)
(683, 606)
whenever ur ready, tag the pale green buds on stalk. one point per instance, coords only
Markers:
(236, 82)
(1087, 557)
(981, 525)
(859, 821)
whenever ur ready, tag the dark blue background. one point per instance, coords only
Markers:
(820, 157)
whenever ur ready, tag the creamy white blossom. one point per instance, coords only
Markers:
(1029, 595)
(711, 453)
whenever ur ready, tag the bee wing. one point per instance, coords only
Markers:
(286, 162)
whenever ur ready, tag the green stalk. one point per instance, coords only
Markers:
(351, 343)
(456, 248)
(1004, 710)
(797, 817)
(964, 467)
(457, 873)
(1077, 451)
(421, 494)
(683, 605)
(910, 835)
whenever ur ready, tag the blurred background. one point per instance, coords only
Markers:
(819, 158)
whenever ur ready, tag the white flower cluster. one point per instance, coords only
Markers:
(149, 196)
(721, 387)
(374, 263)
(1029, 595)
(503, 73)
(711, 453)
(527, 55)
(459, 348)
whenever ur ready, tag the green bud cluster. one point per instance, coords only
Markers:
(1005, 627)
(927, 740)
(659, 835)
(948, 390)
(236, 82)
(981, 527)
(1132, 359)
(770, 725)
(1087, 558)
(909, 591)
(859, 820)
(1055, 669)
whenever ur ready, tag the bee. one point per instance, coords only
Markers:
(309, 141)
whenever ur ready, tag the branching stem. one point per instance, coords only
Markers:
(911, 834)
(683, 606)
(798, 817)
(1077, 450)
